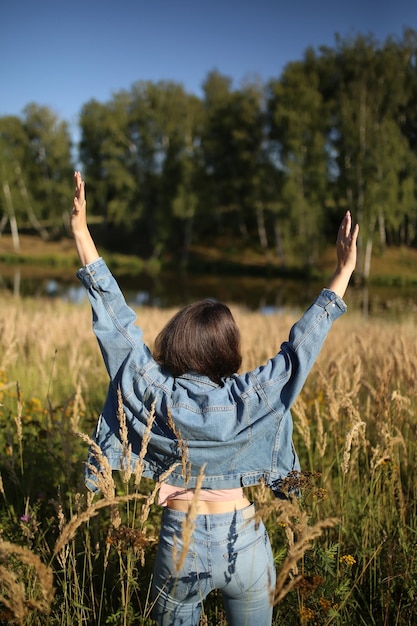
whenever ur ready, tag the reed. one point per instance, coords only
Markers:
(345, 551)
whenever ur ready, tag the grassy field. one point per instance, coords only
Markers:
(346, 553)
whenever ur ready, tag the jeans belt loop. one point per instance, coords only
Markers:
(248, 512)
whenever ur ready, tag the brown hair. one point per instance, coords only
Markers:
(202, 337)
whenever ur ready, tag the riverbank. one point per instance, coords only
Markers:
(396, 266)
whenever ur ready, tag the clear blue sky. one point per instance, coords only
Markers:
(62, 54)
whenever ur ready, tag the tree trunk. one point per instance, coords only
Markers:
(188, 232)
(11, 216)
(278, 242)
(31, 213)
(3, 222)
(382, 232)
(367, 259)
(368, 250)
(260, 218)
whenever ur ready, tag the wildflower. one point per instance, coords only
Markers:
(321, 494)
(124, 538)
(306, 614)
(347, 559)
(308, 584)
(325, 604)
(25, 518)
(298, 480)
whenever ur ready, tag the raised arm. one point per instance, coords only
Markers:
(84, 243)
(346, 255)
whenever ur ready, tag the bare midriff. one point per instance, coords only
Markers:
(206, 502)
(205, 507)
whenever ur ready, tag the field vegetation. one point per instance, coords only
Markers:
(346, 552)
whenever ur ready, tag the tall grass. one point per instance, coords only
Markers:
(346, 553)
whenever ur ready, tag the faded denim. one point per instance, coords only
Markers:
(230, 552)
(238, 433)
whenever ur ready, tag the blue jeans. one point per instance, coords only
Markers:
(229, 552)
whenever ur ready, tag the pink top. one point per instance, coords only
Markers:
(169, 492)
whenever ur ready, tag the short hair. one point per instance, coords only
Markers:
(202, 337)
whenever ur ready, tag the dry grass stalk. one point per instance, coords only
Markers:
(103, 478)
(149, 500)
(137, 538)
(16, 601)
(64, 552)
(18, 416)
(182, 448)
(386, 452)
(126, 456)
(299, 410)
(341, 384)
(77, 406)
(391, 453)
(355, 434)
(405, 361)
(12, 595)
(321, 440)
(69, 530)
(188, 525)
(144, 446)
(354, 437)
(352, 376)
(300, 537)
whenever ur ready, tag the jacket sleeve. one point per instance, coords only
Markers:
(283, 376)
(113, 320)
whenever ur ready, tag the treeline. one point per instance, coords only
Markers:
(269, 166)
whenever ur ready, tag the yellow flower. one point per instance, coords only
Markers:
(347, 559)
(35, 404)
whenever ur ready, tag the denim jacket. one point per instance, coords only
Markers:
(239, 432)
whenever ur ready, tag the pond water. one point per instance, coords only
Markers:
(174, 290)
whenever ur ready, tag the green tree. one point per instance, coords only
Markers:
(235, 158)
(298, 124)
(36, 168)
(372, 155)
(108, 154)
(140, 152)
(184, 171)
(13, 142)
(163, 124)
(46, 174)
